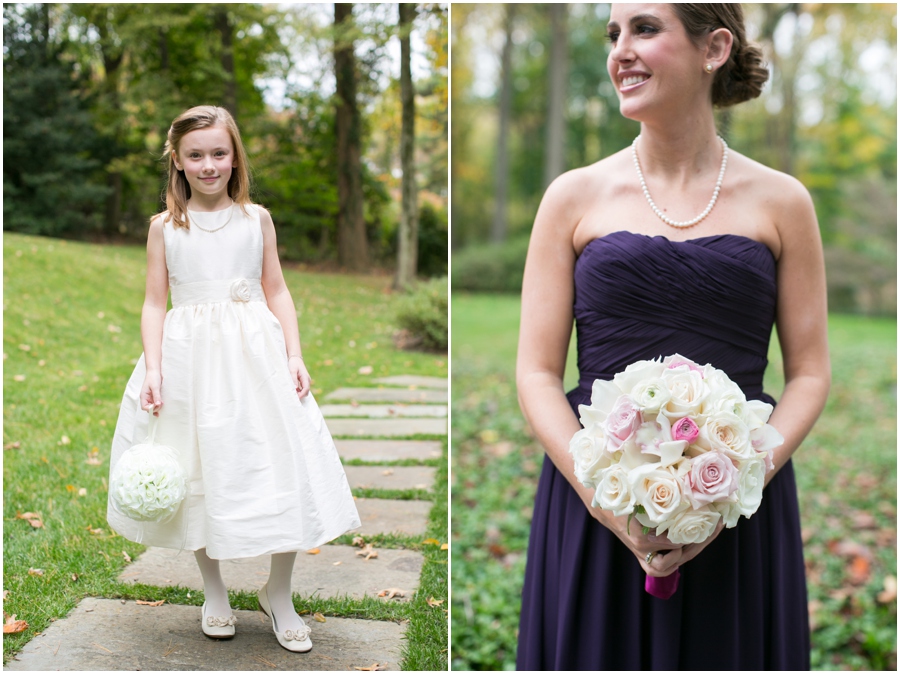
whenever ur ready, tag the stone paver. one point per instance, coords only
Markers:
(382, 411)
(389, 395)
(393, 477)
(107, 635)
(388, 450)
(414, 380)
(387, 427)
(336, 571)
(386, 516)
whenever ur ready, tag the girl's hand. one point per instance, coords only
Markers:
(151, 399)
(667, 555)
(299, 375)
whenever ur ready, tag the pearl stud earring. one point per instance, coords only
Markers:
(709, 67)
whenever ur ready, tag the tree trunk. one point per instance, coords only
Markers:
(352, 245)
(558, 71)
(226, 30)
(408, 235)
(498, 228)
(112, 59)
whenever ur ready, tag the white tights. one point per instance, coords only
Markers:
(278, 588)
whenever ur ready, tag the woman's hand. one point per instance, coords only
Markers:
(667, 555)
(299, 375)
(151, 399)
(691, 550)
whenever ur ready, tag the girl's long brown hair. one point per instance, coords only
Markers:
(178, 191)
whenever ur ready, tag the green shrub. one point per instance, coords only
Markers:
(491, 267)
(423, 313)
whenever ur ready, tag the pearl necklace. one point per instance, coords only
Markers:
(662, 216)
(212, 231)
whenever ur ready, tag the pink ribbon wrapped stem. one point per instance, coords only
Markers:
(662, 588)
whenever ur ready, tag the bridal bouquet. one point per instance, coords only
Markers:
(676, 445)
(148, 484)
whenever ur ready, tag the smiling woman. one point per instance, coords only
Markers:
(723, 248)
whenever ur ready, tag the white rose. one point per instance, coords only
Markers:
(650, 395)
(752, 478)
(659, 491)
(240, 290)
(638, 373)
(688, 392)
(588, 448)
(691, 526)
(728, 434)
(614, 492)
(756, 413)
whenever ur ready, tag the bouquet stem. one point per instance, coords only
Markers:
(662, 588)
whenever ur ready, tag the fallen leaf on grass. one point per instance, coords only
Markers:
(367, 552)
(13, 626)
(5, 594)
(859, 570)
(358, 540)
(64, 440)
(392, 592)
(35, 572)
(431, 601)
(94, 457)
(141, 602)
(19, 377)
(96, 532)
(374, 667)
(365, 369)
(445, 546)
(318, 617)
(74, 577)
(12, 445)
(314, 551)
(34, 519)
(889, 593)
(126, 556)
(431, 541)
(24, 347)
(82, 492)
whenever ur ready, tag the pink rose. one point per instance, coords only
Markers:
(713, 477)
(677, 361)
(685, 429)
(624, 419)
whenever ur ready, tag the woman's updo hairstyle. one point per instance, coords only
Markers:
(743, 75)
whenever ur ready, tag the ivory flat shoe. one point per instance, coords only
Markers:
(297, 641)
(216, 627)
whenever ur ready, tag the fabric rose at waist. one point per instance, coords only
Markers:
(209, 292)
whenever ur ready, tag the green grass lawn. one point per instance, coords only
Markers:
(846, 474)
(71, 338)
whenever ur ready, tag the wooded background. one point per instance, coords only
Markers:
(532, 98)
(91, 89)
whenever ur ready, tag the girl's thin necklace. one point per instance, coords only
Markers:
(662, 216)
(222, 226)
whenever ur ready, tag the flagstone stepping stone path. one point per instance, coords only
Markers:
(114, 634)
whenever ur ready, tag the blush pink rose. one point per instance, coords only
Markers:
(685, 429)
(622, 422)
(713, 477)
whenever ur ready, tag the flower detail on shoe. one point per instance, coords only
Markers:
(240, 290)
(215, 621)
(297, 635)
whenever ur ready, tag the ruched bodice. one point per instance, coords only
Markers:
(584, 607)
(710, 299)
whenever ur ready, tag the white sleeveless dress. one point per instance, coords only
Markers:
(264, 474)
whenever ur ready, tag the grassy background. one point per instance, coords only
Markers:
(72, 330)
(847, 490)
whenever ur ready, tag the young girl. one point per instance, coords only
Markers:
(224, 375)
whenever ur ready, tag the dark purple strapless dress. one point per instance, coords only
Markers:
(741, 603)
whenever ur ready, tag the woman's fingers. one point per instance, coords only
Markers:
(663, 563)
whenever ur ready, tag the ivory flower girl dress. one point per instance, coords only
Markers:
(263, 472)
